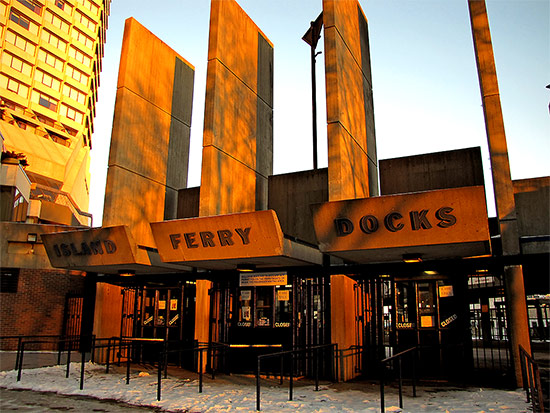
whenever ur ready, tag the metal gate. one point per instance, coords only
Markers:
(72, 318)
(489, 329)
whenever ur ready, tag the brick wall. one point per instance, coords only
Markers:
(38, 306)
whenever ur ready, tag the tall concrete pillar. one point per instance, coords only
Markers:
(237, 156)
(516, 305)
(149, 152)
(352, 158)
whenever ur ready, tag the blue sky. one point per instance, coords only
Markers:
(425, 84)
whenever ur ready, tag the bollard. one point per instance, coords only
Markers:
(83, 361)
(68, 359)
(21, 361)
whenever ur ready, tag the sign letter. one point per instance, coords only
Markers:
(419, 220)
(243, 234)
(343, 226)
(190, 240)
(389, 222)
(224, 235)
(446, 219)
(207, 239)
(110, 246)
(369, 224)
(175, 239)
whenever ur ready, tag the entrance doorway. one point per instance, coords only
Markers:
(428, 311)
(166, 313)
(260, 319)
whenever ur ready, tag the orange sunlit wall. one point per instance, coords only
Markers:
(238, 122)
(352, 156)
(149, 153)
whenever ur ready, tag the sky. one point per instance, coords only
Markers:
(179, 393)
(425, 83)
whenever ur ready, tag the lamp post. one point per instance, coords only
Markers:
(312, 37)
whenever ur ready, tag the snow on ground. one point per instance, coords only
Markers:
(238, 393)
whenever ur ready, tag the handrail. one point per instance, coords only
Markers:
(398, 357)
(531, 380)
(200, 348)
(281, 355)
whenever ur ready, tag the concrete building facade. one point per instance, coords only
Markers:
(51, 54)
(251, 262)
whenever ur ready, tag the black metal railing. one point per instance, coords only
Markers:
(531, 380)
(213, 349)
(398, 357)
(312, 351)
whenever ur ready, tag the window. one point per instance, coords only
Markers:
(32, 5)
(77, 75)
(56, 21)
(90, 6)
(14, 86)
(9, 279)
(71, 113)
(50, 59)
(18, 18)
(79, 56)
(47, 79)
(82, 38)
(16, 64)
(63, 6)
(84, 20)
(74, 94)
(46, 101)
(20, 42)
(54, 40)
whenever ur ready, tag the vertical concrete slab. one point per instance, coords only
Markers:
(238, 121)
(351, 137)
(149, 153)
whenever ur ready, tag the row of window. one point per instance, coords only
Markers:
(58, 43)
(50, 59)
(54, 20)
(44, 100)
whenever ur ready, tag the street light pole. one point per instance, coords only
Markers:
(312, 37)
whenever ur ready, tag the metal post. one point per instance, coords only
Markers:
(21, 361)
(159, 378)
(200, 370)
(69, 358)
(291, 376)
(128, 370)
(316, 352)
(83, 362)
(108, 355)
(92, 355)
(17, 356)
(415, 355)
(258, 408)
(282, 368)
(313, 100)
(382, 407)
(400, 384)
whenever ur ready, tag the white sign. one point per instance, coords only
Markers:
(446, 291)
(262, 279)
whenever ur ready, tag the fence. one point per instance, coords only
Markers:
(398, 357)
(313, 351)
(531, 380)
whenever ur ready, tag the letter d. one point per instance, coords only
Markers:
(343, 226)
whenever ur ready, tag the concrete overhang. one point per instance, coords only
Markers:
(106, 250)
(430, 225)
(224, 242)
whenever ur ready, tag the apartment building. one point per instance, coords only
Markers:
(51, 54)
